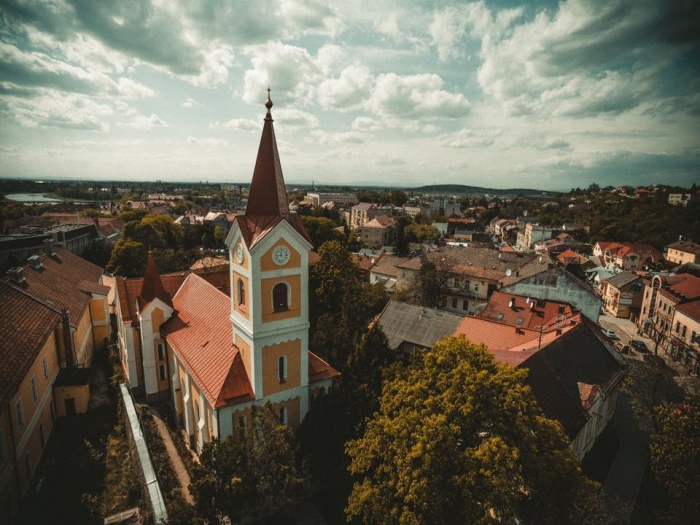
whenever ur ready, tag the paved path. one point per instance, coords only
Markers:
(627, 470)
(180, 470)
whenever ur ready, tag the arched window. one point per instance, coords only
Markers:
(283, 415)
(282, 368)
(241, 292)
(280, 299)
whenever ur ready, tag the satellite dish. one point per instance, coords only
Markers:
(508, 272)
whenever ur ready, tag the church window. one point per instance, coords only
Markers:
(280, 299)
(241, 292)
(161, 351)
(282, 368)
(283, 415)
(161, 372)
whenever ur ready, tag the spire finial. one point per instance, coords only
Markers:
(268, 102)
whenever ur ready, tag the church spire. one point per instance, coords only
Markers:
(268, 195)
(152, 286)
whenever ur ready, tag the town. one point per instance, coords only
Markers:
(258, 353)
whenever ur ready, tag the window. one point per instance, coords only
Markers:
(465, 304)
(241, 292)
(52, 406)
(45, 365)
(283, 415)
(280, 299)
(282, 368)
(454, 302)
(35, 389)
(41, 436)
(28, 464)
(684, 331)
(161, 372)
(242, 423)
(161, 351)
(499, 317)
(678, 327)
(20, 413)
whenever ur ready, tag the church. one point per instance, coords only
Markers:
(212, 355)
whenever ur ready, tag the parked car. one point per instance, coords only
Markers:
(608, 332)
(640, 346)
(622, 348)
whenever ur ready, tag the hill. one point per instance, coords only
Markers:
(475, 190)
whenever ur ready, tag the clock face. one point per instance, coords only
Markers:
(239, 253)
(280, 255)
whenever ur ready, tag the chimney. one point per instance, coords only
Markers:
(16, 274)
(48, 247)
(35, 262)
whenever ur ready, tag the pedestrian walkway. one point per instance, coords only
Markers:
(627, 470)
(179, 467)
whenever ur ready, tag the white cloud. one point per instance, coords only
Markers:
(132, 89)
(326, 138)
(241, 124)
(190, 103)
(416, 97)
(290, 71)
(348, 92)
(469, 138)
(144, 122)
(207, 141)
(366, 124)
(292, 119)
(214, 68)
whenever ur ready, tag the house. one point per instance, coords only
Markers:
(530, 234)
(384, 269)
(558, 284)
(572, 371)
(364, 212)
(379, 231)
(213, 355)
(627, 256)
(622, 295)
(684, 344)
(55, 313)
(526, 312)
(683, 252)
(663, 295)
(469, 275)
(409, 327)
(339, 199)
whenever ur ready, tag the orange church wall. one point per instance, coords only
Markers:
(245, 355)
(243, 309)
(268, 311)
(268, 265)
(293, 407)
(292, 351)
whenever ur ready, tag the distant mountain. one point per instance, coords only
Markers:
(475, 190)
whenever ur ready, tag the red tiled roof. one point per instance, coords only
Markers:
(255, 228)
(26, 326)
(495, 335)
(532, 313)
(57, 283)
(91, 287)
(128, 289)
(691, 309)
(200, 334)
(681, 287)
(152, 286)
(319, 369)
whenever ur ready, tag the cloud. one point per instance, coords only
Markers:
(366, 124)
(286, 119)
(207, 141)
(326, 138)
(348, 92)
(469, 138)
(290, 71)
(540, 141)
(144, 122)
(241, 124)
(583, 60)
(53, 109)
(416, 97)
(190, 103)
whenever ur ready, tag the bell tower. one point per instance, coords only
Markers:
(269, 255)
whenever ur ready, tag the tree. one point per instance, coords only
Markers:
(254, 474)
(398, 198)
(401, 248)
(459, 438)
(674, 456)
(321, 229)
(128, 259)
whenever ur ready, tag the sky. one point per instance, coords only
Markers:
(500, 94)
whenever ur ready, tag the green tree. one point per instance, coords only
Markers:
(128, 259)
(401, 247)
(674, 456)
(321, 229)
(398, 198)
(253, 475)
(459, 438)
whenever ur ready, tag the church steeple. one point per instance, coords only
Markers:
(152, 285)
(268, 195)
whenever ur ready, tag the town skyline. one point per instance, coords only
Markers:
(545, 95)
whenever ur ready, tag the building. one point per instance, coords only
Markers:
(339, 199)
(213, 355)
(683, 252)
(622, 295)
(530, 234)
(378, 232)
(468, 276)
(573, 372)
(663, 295)
(674, 199)
(627, 256)
(685, 336)
(384, 270)
(54, 314)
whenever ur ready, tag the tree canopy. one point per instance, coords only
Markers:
(459, 438)
(674, 456)
(252, 475)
